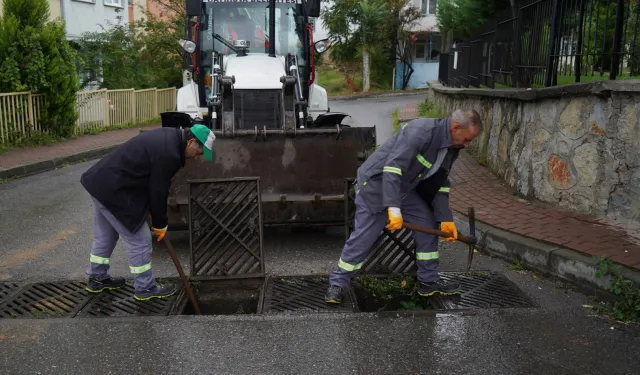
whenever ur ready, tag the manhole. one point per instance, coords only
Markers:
(226, 297)
(483, 290)
(6, 290)
(303, 293)
(120, 302)
(45, 300)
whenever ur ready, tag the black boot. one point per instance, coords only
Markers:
(96, 286)
(441, 286)
(334, 294)
(156, 291)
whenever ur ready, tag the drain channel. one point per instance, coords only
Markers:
(281, 294)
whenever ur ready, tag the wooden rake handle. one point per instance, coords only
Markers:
(439, 233)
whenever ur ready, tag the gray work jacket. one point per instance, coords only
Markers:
(402, 162)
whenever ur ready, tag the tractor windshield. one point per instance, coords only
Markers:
(249, 20)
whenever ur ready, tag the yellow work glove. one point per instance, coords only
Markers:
(395, 218)
(449, 227)
(160, 232)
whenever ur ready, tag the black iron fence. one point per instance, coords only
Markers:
(549, 42)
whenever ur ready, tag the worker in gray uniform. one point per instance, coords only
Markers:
(407, 179)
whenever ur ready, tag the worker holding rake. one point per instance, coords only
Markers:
(407, 179)
(126, 186)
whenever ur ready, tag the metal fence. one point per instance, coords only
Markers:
(20, 112)
(547, 43)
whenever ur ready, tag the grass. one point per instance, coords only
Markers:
(430, 110)
(336, 85)
(396, 121)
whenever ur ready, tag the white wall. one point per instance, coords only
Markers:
(87, 15)
(428, 22)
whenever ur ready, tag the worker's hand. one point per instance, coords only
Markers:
(449, 227)
(160, 232)
(395, 218)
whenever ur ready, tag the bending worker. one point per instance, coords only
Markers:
(407, 179)
(126, 186)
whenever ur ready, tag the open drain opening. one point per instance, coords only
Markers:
(389, 293)
(226, 297)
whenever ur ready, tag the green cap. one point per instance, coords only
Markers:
(206, 136)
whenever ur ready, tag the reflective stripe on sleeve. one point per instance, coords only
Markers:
(423, 161)
(444, 190)
(395, 170)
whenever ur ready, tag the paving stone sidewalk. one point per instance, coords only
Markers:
(497, 206)
(26, 156)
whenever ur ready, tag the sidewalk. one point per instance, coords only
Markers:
(554, 230)
(21, 162)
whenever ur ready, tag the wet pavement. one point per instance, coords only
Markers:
(45, 234)
(551, 341)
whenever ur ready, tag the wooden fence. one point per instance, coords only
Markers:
(20, 112)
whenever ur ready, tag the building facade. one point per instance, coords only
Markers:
(425, 51)
(89, 15)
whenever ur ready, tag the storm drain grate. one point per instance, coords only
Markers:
(393, 251)
(300, 294)
(225, 224)
(120, 302)
(6, 290)
(46, 300)
(483, 290)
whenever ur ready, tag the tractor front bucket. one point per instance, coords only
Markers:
(302, 175)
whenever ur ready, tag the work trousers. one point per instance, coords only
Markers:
(368, 227)
(106, 231)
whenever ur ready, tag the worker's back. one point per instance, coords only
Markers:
(122, 180)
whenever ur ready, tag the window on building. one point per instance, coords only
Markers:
(115, 3)
(429, 7)
(420, 51)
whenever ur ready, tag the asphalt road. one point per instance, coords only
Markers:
(374, 111)
(46, 233)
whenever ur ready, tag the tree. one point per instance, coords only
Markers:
(458, 19)
(161, 37)
(113, 56)
(358, 24)
(35, 56)
(399, 24)
(372, 14)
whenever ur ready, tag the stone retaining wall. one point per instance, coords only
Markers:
(577, 146)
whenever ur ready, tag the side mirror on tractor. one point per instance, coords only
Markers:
(187, 45)
(321, 45)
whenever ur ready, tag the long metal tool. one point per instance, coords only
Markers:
(470, 240)
(186, 283)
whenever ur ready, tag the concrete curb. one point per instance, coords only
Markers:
(48, 165)
(386, 95)
(557, 261)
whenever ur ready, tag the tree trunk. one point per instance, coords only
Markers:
(365, 70)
